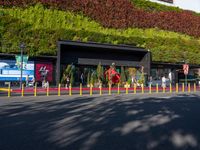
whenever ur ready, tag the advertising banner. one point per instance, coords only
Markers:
(19, 60)
(44, 71)
(9, 70)
(185, 68)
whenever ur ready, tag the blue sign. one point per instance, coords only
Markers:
(9, 71)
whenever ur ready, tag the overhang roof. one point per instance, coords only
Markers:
(105, 46)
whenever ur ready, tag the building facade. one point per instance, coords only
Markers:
(85, 58)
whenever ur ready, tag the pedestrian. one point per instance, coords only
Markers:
(67, 82)
(150, 80)
(163, 81)
(33, 81)
(82, 78)
(43, 83)
(27, 80)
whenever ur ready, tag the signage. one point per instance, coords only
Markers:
(185, 68)
(9, 71)
(44, 71)
(19, 61)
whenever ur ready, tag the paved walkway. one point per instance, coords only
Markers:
(124, 122)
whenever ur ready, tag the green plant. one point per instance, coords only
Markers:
(93, 78)
(69, 71)
(142, 79)
(88, 78)
(122, 76)
(40, 37)
(99, 72)
(72, 78)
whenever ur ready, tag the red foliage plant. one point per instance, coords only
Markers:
(123, 14)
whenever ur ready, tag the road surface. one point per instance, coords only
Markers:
(124, 122)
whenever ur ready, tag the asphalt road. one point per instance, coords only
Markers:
(124, 122)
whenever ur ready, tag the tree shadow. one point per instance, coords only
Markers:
(101, 123)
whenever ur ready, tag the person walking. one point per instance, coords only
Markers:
(27, 80)
(82, 78)
(33, 81)
(67, 82)
(163, 82)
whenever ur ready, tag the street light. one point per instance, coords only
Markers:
(22, 47)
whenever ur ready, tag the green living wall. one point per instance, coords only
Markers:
(40, 28)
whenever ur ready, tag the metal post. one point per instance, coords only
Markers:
(22, 46)
(126, 88)
(135, 88)
(22, 91)
(80, 89)
(21, 68)
(109, 89)
(100, 89)
(118, 89)
(170, 88)
(157, 88)
(59, 85)
(9, 90)
(149, 88)
(186, 80)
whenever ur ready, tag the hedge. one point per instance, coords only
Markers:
(40, 28)
(123, 14)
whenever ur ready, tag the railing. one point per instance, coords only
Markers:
(59, 91)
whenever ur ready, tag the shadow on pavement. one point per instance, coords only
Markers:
(102, 123)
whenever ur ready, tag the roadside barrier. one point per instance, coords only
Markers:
(126, 88)
(22, 90)
(59, 90)
(81, 90)
(170, 88)
(99, 90)
(188, 87)
(109, 89)
(70, 89)
(195, 88)
(183, 87)
(150, 89)
(35, 90)
(91, 90)
(142, 89)
(157, 88)
(177, 88)
(135, 89)
(9, 90)
(47, 90)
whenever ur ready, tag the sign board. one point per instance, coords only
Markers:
(19, 61)
(9, 71)
(185, 68)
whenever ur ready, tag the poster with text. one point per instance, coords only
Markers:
(44, 71)
(9, 71)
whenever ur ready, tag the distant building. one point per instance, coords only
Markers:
(193, 5)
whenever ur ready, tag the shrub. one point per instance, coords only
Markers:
(41, 36)
(123, 14)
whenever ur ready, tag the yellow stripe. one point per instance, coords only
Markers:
(4, 89)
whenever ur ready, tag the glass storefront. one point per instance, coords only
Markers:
(86, 74)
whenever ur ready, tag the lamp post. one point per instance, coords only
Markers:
(22, 47)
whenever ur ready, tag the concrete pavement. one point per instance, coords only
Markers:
(118, 122)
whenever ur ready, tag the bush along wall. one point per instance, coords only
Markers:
(40, 28)
(123, 14)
